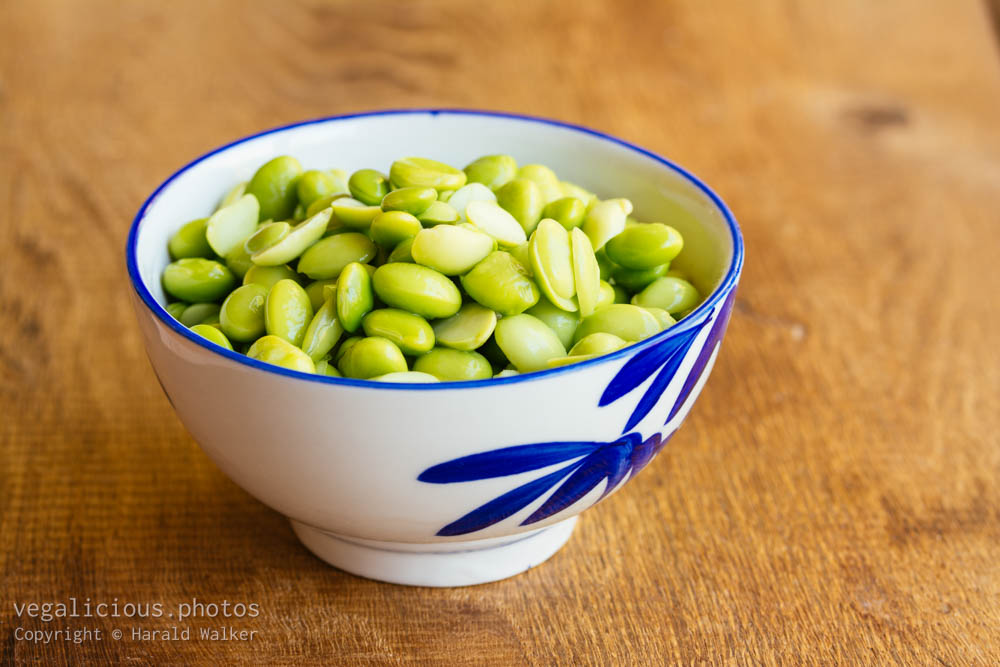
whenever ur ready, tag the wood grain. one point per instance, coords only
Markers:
(834, 496)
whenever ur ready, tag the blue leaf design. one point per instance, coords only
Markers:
(509, 503)
(714, 337)
(593, 469)
(632, 374)
(644, 453)
(663, 378)
(506, 461)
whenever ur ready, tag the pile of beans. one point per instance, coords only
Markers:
(427, 274)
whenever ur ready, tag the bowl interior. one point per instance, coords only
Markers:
(608, 167)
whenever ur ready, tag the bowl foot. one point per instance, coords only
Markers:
(451, 564)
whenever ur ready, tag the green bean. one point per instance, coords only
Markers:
(645, 246)
(372, 357)
(294, 243)
(242, 313)
(493, 171)
(523, 200)
(327, 257)
(354, 296)
(417, 289)
(411, 333)
(195, 279)
(414, 201)
(213, 334)
(269, 275)
(467, 329)
(562, 322)
(278, 351)
(673, 295)
(528, 342)
(391, 228)
(315, 184)
(368, 186)
(323, 332)
(626, 321)
(287, 311)
(500, 283)
(199, 313)
(425, 173)
(230, 226)
(274, 185)
(190, 241)
(567, 211)
(450, 249)
(450, 365)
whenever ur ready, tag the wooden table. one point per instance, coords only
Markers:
(834, 496)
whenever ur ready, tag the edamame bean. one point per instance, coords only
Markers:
(645, 246)
(238, 191)
(450, 249)
(274, 187)
(621, 296)
(406, 376)
(467, 329)
(544, 178)
(665, 319)
(266, 235)
(551, 262)
(586, 272)
(439, 213)
(315, 292)
(269, 275)
(450, 365)
(628, 322)
(287, 311)
(562, 322)
(391, 228)
(195, 279)
(673, 295)
(354, 296)
(567, 211)
(327, 257)
(190, 241)
(324, 202)
(634, 280)
(278, 351)
(425, 173)
(568, 360)
(231, 225)
(323, 332)
(213, 334)
(523, 200)
(315, 184)
(528, 342)
(467, 194)
(372, 357)
(495, 221)
(411, 333)
(242, 313)
(238, 261)
(573, 190)
(368, 186)
(605, 220)
(294, 243)
(199, 313)
(324, 367)
(402, 252)
(349, 212)
(605, 296)
(597, 344)
(417, 289)
(414, 201)
(500, 283)
(176, 309)
(345, 347)
(493, 171)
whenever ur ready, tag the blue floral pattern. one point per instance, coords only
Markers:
(588, 464)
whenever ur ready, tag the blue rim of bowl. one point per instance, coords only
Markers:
(727, 283)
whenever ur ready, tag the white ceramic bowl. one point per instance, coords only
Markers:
(453, 483)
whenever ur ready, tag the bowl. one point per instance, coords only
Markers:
(452, 483)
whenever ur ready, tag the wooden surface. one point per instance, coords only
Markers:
(834, 496)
